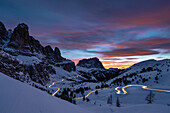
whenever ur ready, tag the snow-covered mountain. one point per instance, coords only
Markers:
(24, 58)
(146, 72)
(151, 73)
(93, 70)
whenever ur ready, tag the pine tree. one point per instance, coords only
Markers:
(96, 92)
(74, 101)
(117, 102)
(156, 78)
(71, 94)
(150, 97)
(74, 96)
(109, 100)
(137, 82)
(87, 99)
(84, 98)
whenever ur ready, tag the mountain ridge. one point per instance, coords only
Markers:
(28, 59)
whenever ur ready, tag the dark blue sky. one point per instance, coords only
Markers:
(119, 32)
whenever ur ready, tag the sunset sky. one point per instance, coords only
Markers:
(118, 32)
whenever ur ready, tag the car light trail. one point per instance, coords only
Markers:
(117, 89)
(143, 86)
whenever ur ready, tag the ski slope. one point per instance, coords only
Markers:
(17, 97)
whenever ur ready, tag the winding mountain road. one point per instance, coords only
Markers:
(116, 89)
(143, 86)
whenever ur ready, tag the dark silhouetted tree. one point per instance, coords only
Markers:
(74, 101)
(150, 97)
(156, 78)
(84, 98)
(74, 96)
(117, 102)
(96, 92)
(109, 100)
(137, 82)
(87, 99)
(71, 94)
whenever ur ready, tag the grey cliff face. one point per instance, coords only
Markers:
(90, 63)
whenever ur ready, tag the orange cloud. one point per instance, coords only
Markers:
(159, 57)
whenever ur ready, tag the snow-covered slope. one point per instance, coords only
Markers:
(17, 97)
(151, 73)
(146, 72)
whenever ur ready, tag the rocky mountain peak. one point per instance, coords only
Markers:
(57, 51)
(20, 37)
(48, 49)
(2, 27)
(53, 54)
(21, 34)
(3, 34)
(3, 31)
(90, 63)
(22, 26)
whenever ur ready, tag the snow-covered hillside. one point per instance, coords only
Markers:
(17, 97)
(152, 73)
(146, 72)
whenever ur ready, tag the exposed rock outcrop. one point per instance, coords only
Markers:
(53, 54)
(3, 34)
(93, 70)
(23, 43)
(90, 63)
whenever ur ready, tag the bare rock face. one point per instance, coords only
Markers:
(54, 55)
(3, 34)
(92, 69)
(35, 46)
(90, 63)
(3, 31)
(25, 44)
(58, 54)
(20, 37)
